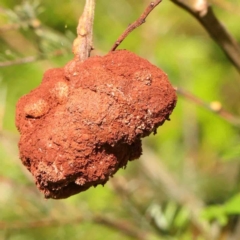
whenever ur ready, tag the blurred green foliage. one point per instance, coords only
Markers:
(199, 149)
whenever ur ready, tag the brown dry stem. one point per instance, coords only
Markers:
(83, 44)
(135, 24)
(201, 10)
(214, 107)
(122, 226)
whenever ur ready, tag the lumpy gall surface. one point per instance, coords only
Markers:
(86, 120)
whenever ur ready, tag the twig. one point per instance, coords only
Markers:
(20, 61)
(124, 227)
(214, 107)
(9, 27)
(83, 45)
(205, 15)
(29, 59)
(33, 23)
(135, 24)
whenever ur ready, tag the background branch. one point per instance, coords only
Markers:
(215, 107)
(9, 27)
(124, 227)
(201, 10)
(31, 59)
(191, 173)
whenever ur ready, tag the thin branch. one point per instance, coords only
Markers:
(19, 225)
(83, 44)
(214, 107)
(20, 61)
(123, 227)
(33, 23)
(137, 23)
(30, 59)
(9, 27)
(201, 10)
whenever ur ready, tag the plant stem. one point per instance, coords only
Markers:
(201, 10)
(215, 107)
(83, 44)
(135, 24)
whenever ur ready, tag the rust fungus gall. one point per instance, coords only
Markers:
(107, 105)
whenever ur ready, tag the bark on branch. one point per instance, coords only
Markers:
(83, 45)
(136, 24)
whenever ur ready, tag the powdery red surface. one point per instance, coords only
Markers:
(86, 120)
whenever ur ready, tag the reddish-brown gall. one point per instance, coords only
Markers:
(86, 120)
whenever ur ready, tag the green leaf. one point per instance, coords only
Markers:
(215, 213)
(232, 206)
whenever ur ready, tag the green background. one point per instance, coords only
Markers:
(196, 154)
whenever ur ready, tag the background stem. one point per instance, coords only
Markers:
(205, 15)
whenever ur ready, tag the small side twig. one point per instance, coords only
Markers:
(201, 10)
(30, 59)
(135, 24)
(214, 107)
